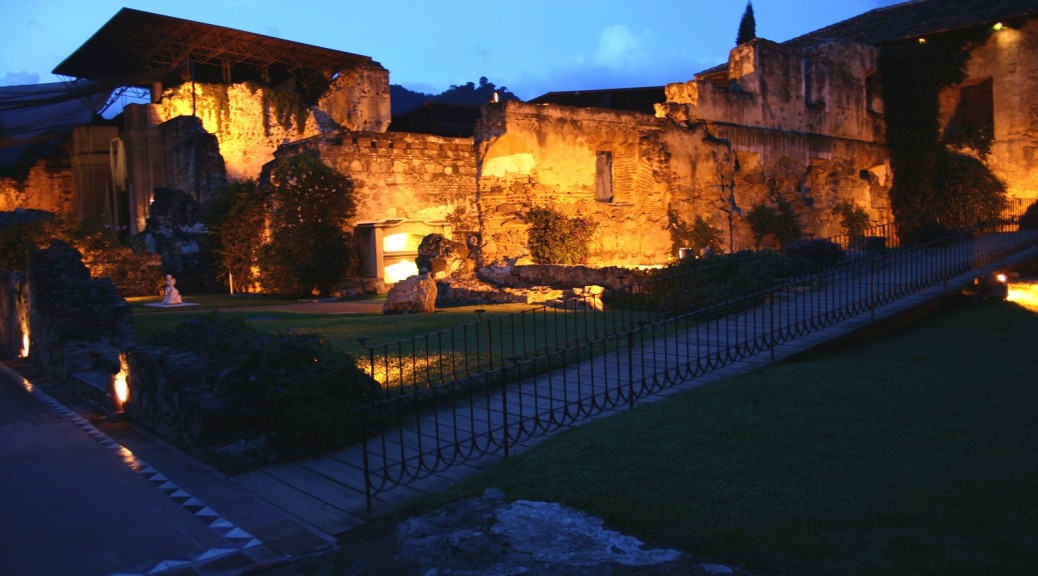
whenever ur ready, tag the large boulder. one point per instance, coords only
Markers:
(416, 294)
(442, 258)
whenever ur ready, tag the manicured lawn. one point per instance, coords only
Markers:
(410, 348)
(917, 454)
(342, 330)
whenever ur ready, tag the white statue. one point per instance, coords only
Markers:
(172, 295)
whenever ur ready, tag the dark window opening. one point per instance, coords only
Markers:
(604, 176)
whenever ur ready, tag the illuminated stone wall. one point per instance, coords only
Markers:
(49, 186)
(403, 175)
(1008, 61)
(829, 89)
(546, 155)
(250, 121)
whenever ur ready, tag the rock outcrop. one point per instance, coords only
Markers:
(413, 295)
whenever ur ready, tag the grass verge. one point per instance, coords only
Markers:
(917, 454)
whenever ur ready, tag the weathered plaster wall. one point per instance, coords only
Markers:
(540, 155)
(545, 156)
(49, 186)
(248, 126)
(825, 89)
(802, 124)
(403, 175)
(358, 100)
(1007, 59)
(250, 121)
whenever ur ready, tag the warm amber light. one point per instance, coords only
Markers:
(394, 243)
(1024, 294)
(400, 271)
(121, 387)
(24, 351)
(1001, 278)
(922, 40)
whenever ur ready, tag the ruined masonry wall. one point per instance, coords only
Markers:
(250, 121)
(1007, 59)
(545, 156)
(49, 186)
(248, 133)
(404, 175)
(824, 89)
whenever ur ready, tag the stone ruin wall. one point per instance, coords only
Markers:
(49, 186)
(250, 121)
(802, 124)
(545, 156)
(1007, 59)
(812, 172)
(537, 155)
(400, 175)
(827, 89)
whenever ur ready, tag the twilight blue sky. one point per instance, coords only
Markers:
(529, 46)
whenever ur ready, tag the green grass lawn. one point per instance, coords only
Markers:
(504, 334)
(917, 454)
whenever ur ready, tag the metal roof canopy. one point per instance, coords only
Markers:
(141, 48)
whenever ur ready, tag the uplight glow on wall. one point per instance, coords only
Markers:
(120, 385)
(400, 271)
(1024, 294)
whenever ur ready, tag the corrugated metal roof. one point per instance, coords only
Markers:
(921, 18)
(140, 48)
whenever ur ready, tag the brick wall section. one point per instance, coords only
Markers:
(403, 175)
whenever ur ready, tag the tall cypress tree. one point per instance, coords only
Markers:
(747, 26)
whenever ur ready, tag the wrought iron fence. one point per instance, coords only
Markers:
(488, 386)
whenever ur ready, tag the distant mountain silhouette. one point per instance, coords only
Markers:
(404, 100)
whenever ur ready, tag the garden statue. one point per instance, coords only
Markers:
(171, 294)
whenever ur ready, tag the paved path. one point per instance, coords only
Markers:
(80, 494)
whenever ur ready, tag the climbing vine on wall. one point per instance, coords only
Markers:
(913, 74)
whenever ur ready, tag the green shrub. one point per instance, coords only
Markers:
(780, 223)
(693, 283)
(295, 389)
(817, 251)
(1029, 221)
(554, 238)
(699, 236)
(854, 219)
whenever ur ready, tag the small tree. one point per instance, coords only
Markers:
(309, 204)
(747, 26)
(554, 238)
(236, 220)
(854, 219)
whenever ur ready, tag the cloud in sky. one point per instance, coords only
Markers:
(620, 49)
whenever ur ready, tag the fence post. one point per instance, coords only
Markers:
(872, 289)
(367, 473)
(771, 320)
(504, 410)
(630, 369)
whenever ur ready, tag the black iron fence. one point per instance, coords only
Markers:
(501, 381)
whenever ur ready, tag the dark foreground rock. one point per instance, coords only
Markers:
(494, 537)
